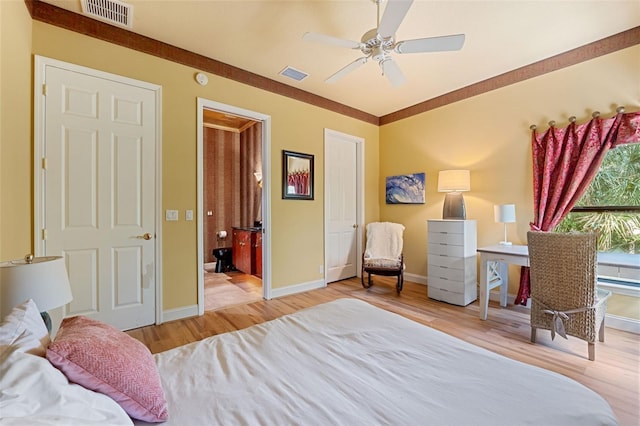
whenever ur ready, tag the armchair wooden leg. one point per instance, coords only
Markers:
(592, 351)
(601, 332)
(533, 334)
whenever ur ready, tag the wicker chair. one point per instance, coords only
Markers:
(564, 296)
(383, 254)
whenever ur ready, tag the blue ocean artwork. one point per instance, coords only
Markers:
(405, 189)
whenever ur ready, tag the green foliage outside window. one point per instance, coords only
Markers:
(617, 184)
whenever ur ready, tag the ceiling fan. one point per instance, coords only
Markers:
(379, 43)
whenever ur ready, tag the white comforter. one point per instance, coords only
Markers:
(349, 363)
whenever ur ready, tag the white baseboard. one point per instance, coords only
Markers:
(622, 323)
(414, 278)
(179, 313)
(297, 288)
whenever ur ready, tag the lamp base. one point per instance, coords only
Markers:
(453, 207)
(47, 320)
(506, 243)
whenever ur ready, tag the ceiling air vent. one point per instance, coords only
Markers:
(293, 73)
(112, 12)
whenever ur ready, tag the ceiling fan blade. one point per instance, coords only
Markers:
(393, 72)
(393, 15)
(346, 70)
(335, 41)
(431, 44)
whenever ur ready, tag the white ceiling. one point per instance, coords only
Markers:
(265, 36)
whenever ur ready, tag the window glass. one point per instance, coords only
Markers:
(611, 205)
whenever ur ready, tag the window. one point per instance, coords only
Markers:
(611, 208)
(611, 205)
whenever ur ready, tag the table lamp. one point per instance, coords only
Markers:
(505, 213)
(43, 279)
(454, 182)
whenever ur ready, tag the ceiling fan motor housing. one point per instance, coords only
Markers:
(375, 46)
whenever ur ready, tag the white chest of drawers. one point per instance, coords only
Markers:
(452, 261)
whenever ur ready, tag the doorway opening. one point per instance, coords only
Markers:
(233, 243)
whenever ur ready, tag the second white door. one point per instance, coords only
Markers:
(341, 198)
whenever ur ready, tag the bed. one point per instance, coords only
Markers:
(348, 362)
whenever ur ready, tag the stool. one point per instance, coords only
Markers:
(223, 259)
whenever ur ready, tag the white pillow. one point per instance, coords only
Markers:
(25, 329)
(34, 392)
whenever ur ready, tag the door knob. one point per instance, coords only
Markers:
(355, 226)
(145, 236)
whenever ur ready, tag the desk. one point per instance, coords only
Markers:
(494, 271)
(494, 263)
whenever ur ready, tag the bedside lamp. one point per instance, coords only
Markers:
(505, 213)
(454, 182)
(43, 279)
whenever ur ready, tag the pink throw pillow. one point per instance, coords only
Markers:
(106, 360)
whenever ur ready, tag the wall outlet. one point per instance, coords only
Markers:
(188, 215)
(321, 269)
(171, 215)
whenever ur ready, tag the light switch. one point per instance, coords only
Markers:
(171, 215)
(188, 215)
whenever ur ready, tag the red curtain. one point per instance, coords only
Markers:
(565, 162)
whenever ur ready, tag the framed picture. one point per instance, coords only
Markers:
(405, 189)
(297, 175)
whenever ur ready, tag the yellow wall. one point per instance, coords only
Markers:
(297, 226)
(15, 130)
(489, 135)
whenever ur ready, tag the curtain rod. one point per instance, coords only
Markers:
(572, 119)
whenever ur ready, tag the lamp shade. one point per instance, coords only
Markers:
(454, 181)
(43, 279)
(504, 213)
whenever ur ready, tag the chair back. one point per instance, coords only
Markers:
(384, 240)
(564, 295)
(563, 268)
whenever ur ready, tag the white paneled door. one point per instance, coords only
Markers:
(341, 209)
(99, 193)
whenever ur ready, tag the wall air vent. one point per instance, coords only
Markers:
(293, 73)
(113, 12)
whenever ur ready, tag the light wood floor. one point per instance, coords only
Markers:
(615, 374)
(226, 289)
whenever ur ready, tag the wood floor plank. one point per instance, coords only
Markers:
(615, 374)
